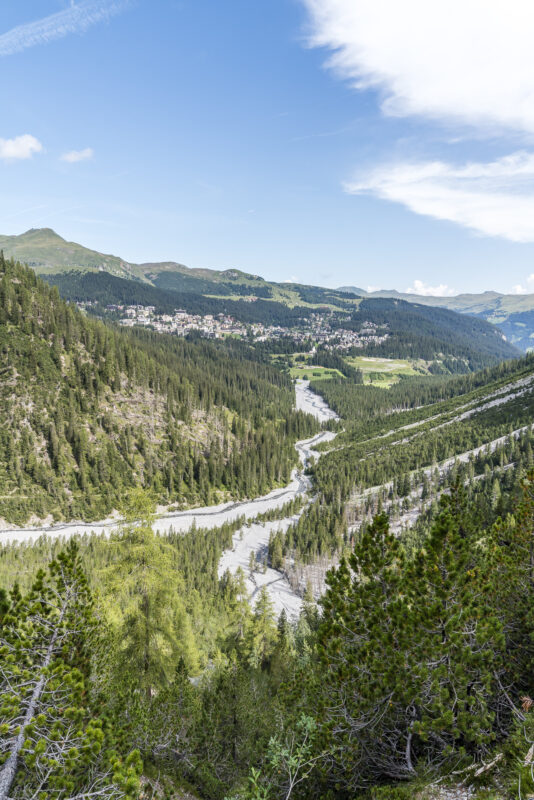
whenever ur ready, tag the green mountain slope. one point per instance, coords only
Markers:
(45, 251)
(422, 422)
(84, 275)
(87, 411)
(512, 313)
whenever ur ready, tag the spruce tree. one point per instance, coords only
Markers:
(51, 743)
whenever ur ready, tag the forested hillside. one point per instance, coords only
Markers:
(420, 332)
(412, 679)
(87, 411)
(455, 342)
(402, 448)
(103, 289)
(512, 313)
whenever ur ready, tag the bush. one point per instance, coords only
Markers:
(392, 792)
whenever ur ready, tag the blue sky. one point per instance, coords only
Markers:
(333, 142)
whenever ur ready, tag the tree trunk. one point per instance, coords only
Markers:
(9, 769)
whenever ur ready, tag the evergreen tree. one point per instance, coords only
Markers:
(51, 743)
(142, 584)
(262, 631)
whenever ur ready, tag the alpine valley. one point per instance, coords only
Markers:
(260, 540)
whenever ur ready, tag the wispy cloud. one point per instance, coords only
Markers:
(468, 66)
(423, 289)
(78, 155)
(449, 60)
(494, 198)
(324, 134)
(77, 18)
(20, 147)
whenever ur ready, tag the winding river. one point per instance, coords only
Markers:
(253, 537)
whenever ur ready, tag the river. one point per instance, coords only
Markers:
(253, 537)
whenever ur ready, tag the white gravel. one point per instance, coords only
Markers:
(254, 538)
(203, 517)
(311, 403)
(251, 538)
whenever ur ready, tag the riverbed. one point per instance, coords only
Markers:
(251, 538)
(181, 521)
(312, 403)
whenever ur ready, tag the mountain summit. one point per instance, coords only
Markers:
(47, 252)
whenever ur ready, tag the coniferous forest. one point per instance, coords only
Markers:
(267, 400)
(130, 666)
(88, 411)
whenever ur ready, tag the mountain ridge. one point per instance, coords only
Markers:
(512, 313)
(64, 263)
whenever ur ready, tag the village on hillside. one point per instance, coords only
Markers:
(322, 328)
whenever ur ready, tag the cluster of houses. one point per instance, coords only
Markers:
(181, 322)
(323, 328)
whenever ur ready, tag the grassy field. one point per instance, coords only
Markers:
(298, 367)
(385, 371)
(382, 372)
(314, 373)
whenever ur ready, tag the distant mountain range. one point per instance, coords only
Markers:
(83, 275)
(512, 313)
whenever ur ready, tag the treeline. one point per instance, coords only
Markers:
(367, 404)
(319, 295)
(332, 360)
(88, 411)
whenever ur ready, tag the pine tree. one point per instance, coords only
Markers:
(363, 646)
(412, 651)
(262, 631)
(51, 743)
(458, 642)
(510, 588)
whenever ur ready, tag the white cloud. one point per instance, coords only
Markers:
(77, 18)
(371, 289)
(467, 64)
(420, 287)
(468, 61)
(78, 155)
(20, 147)
(528, 289)
(494, 198)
